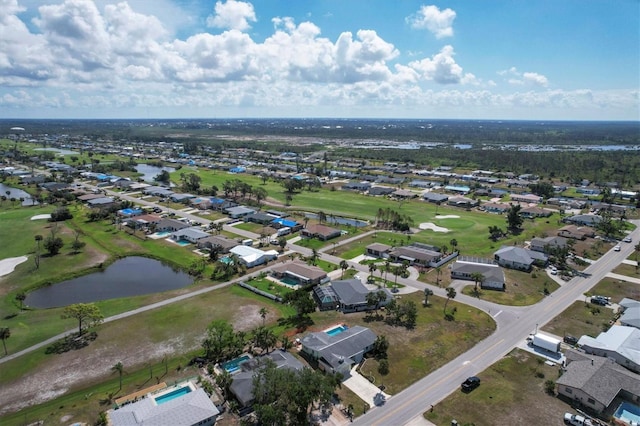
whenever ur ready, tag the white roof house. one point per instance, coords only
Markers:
(619, 343)
(251, 256)
(194, 408)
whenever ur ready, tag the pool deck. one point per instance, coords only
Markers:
(140, 393)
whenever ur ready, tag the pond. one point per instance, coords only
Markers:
(58, 151)
(149, 172)
(340, 220)
(16, 193)
(131, 276)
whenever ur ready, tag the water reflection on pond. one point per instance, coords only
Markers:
(131, 276)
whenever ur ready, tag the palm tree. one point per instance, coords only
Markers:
(20, 297)
(454, 244)
(427, 292)
(5, 333)
(438, 272)
(344, 266)
(36, 258)
(637, 249)
(263, 314)
(451, 293)
(119, 368)
(322, 216)
(477, 278)
(372, 268)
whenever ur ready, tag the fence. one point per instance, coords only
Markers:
(260, 292)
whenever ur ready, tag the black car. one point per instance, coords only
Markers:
(570, 340)
(599, 301)
(470, 384)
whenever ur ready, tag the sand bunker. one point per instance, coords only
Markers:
(41, 216)
(9, 264)
(448, 216)
(433, 227)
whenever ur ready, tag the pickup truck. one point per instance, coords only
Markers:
(576, 420)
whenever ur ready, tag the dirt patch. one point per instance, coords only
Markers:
(247, 317)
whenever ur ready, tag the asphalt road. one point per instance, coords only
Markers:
(399, 409)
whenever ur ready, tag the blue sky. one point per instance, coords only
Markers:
(562, 59)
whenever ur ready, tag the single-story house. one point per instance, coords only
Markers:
(462, 202)
(223, 243)
(123, 183)
(492, 275)
(55, 186)
(519, 258)
(380, 190)
(415, 255)
(435, 197)
(596, 382)
(356, 186)
(181, 198)
(543, 245)
(242, 384)
(251, 256)
(498, 208)
(101, 202)
(630, 312)
(144, 220)
(619, 343)
(192, 235)
(378, 250)
(87, 197)
(261, 218)
(576, 232)
(458, 189)
(338, 353)
(583, 219)
(526, 198)
(171, 225)
(281, 222)
(191, 409)
(157, 191)
(130, 212)
(534, 212)
(321, 232)
(404, 193)
(238, 212)
(301, 272)
(348, 296)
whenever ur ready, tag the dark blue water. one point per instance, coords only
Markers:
(131, 276)
(149, 172)
(339, 220)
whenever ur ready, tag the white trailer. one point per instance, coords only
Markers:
(546, 342)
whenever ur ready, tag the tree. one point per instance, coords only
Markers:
(5, 333)
(263, 314)
(36, 258)
(163, 177)
(60, 214)
(260, 194)
(282, 243)
(224, 381)
(427, 292)
(53, 245)
(542, 189)
(302, 302)
(438, 273)
(221, 342)
(477, 278)
(637, 249)
(264, 338)
(20, 297)
(514, 220)
(495, 233)
(451, 294)
(380, 347)
(372, 268)
(118, 368)
(344, 266)
(77, 245)
(322, 217)
(454, 244)
(87, 314)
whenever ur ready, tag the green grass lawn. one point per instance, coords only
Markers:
(628, 270)
(270, 287)
(522, 288)
(511, 390)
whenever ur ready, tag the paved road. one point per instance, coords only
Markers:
(413, 401)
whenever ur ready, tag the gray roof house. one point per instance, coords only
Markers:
(434, 197)
(595, 382)
(171, 225)
(543, 245)
(583, 219)
(415, 255)
(518, 258)
(193, 408)
(242, 384)
(339, 352)
(493, 276)
(301, 272)
(378, 250)
(239, 211)
(619, 343)
(351, 295)
(192, 234)
(223, 243)
(631, 312)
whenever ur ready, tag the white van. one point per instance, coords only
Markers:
(284, 231)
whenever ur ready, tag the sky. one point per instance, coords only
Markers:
(489, 59)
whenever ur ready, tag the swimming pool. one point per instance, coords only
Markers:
(628, 413)
(226, 260)
(182, 243)
(336, 330)
(234, 365)
(176, 393)
(162, 234)
(289, 281)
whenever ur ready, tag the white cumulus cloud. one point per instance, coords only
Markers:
(439, 22)
(517, 78)
(232, 14)
(442, 68)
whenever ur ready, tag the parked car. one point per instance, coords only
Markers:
(470, 384)
(576, 420)
(570, 340)
(627, 239)
(616, 248)
(599, 301)
(554, 270)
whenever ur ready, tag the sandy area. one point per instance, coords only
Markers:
(9, 264)
(433, 227)
(447, 216)
(41, 216)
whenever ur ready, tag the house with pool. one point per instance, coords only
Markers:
(252, 256)
(192, 235)
(298, 273)
(222, 243)
(338, 348)
(181, 405)
(171, 225)
(347, 296)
